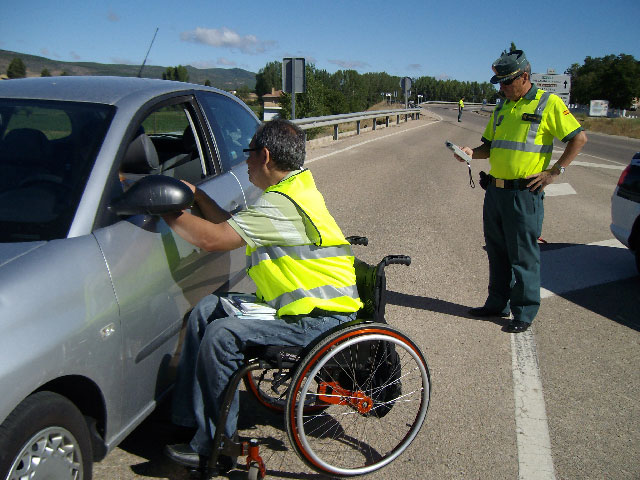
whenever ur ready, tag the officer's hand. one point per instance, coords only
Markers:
(539, 181)
(466, 150)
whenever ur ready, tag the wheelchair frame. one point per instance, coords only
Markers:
(360, 370)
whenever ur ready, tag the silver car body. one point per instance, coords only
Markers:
(625, 208)
(96, 315)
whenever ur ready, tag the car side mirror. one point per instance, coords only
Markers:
(153, 195)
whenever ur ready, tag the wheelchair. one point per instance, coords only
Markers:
(352, 401)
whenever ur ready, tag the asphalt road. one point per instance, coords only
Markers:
(402, 188)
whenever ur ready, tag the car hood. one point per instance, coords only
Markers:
(11, 251)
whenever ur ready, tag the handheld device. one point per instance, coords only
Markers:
(458, 151)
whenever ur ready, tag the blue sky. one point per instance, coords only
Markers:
(442, 39)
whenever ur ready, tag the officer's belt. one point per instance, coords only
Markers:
(517, 184)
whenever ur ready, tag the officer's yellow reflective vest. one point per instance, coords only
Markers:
(297, 279)
(521, 142)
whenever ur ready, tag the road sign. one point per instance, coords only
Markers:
(293, 75)
(294, 79)
(558, 84)
(598, 108)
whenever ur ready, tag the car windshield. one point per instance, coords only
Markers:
(47, 150)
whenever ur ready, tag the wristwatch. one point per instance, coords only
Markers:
(558, 168)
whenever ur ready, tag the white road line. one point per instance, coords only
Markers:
(558, 189)
(599, 165)
(570, 268)
(582, 266)
(534, 444)
(365, 142)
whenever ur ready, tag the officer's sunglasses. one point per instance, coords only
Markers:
(510, 81)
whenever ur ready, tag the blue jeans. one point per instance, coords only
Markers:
(213, 351)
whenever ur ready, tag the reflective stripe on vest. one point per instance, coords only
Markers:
(326, 292)
(304, 252)
(529, 146)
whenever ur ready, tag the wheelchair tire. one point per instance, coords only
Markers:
(345, 372)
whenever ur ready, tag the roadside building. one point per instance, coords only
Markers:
(272, 106)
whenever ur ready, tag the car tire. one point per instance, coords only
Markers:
(45, 436)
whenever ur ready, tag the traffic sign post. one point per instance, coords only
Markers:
(294, 79)
(405, 84)
(558, 84)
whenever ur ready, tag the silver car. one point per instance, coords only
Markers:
(625, 208)
(94, 287)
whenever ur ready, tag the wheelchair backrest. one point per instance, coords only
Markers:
(372, 284)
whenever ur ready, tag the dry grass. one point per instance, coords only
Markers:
(625, 127)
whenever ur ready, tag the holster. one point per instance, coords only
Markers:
(484, 180)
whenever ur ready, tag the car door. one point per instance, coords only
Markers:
(157, 276)
(232, 125)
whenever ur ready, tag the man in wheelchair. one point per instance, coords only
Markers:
(302, 266)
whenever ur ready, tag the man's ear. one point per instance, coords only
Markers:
(265, 158)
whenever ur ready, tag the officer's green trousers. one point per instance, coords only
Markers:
(512, 225)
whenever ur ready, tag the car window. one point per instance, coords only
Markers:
(47, 150)
(232, 125)
(165, 143)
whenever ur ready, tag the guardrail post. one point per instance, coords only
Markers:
(375, 122)
(335, 132)
(397, 119)
(387, 121)
(358, 127)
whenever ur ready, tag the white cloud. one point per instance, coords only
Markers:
(350, 64)
(227, 38)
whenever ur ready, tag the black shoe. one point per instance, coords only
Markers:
(486, 312)
(183, 454)
(516, 326)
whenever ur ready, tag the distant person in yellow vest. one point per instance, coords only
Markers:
(518, 141)
(302, 266)
(460, 108)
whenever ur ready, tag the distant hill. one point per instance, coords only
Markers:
(223, 78)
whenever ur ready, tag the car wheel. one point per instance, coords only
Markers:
(45, 436)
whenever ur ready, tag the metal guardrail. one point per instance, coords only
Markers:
(357, 117)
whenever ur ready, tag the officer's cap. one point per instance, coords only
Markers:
(508, 66)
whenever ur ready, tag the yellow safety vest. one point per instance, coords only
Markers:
(521, 133)
(297, 279)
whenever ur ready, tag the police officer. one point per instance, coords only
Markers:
(518, 141)
(460, 108)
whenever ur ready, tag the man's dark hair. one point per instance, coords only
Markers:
(285, 142)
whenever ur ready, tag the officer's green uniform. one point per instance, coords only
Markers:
(521, 137)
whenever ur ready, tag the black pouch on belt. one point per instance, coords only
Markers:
(484, 180)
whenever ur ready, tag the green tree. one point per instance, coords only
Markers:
(269, 77)
(207, 83)
(45, 72)
(615, 78)
(16, 69)
(178, 74)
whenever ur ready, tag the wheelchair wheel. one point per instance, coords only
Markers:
(375, 384)
(267, 386)
(271, 389)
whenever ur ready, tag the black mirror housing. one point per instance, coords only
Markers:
(153, 195)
